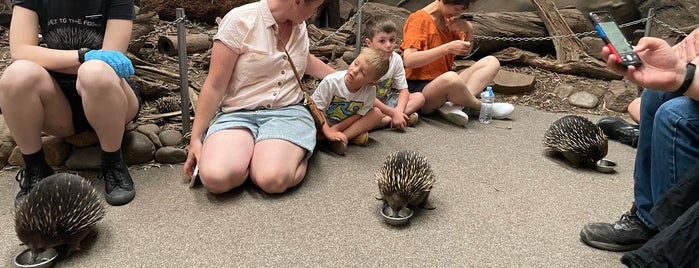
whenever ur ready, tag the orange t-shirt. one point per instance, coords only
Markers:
(420, 32)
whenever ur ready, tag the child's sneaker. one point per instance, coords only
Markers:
(338, 147)
(502, 110)
(361, 139)
(412, 119)
(453, 113)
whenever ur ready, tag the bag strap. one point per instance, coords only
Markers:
(305, 91)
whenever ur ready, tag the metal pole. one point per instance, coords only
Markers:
(184, 80)
(359, 28)
(649, 23)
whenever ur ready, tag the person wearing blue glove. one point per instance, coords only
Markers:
(76, 81)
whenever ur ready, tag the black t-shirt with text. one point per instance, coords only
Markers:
(74, 24)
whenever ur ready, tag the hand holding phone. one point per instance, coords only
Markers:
(609, 31)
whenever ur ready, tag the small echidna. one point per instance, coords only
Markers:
(579, 140)
(60, 210)
(405, 179)
(168, 104)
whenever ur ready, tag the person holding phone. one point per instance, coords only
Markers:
(668, 145)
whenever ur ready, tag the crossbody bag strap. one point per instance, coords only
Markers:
(293, 67)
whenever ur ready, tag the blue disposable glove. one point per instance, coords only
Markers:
(117, 60)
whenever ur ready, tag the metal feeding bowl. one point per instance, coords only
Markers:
(42, 260)
(605, 165)
(402, 218)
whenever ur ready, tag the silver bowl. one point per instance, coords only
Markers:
(402, 218)
(43, 260)
(605, 165)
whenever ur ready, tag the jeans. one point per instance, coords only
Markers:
(668, 147)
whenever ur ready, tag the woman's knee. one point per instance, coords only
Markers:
(272, 181)
(22, 77)
(97, 76)
(217, 180)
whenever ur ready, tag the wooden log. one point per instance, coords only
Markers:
(143, 25)
(587, 66)
(517, 25)
(196, 43)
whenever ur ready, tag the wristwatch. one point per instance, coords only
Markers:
(688, 79)
(81, 54)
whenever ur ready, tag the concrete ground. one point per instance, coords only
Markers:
(501, 202)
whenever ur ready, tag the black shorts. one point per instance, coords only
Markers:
(67, 84)
(417, 85)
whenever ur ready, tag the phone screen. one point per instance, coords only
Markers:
(610, 32)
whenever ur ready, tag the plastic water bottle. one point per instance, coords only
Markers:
(486, 115)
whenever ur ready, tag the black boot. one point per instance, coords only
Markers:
(618, 129)
(118, 185)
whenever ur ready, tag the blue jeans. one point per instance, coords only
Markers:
(668, 147)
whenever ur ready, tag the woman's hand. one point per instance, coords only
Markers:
(459, 47)
(192, 159)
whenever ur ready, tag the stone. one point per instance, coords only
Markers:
(83, 139)
(151, 131)
(170, 155)
(6, 148)
(87, 158)
(507, 82)
(564, 90)
(137, 149)
(583, 99)
(170, 138)
(620, 94)
(56, 151)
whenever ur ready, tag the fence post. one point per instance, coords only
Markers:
(359, 28)
(649, 23)
(184, 80)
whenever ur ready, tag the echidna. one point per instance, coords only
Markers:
(405, 179)
(60, 211)
(580, 141)
(168, 104)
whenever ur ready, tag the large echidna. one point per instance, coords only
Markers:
(60, 210)
(405, 179)
(579, 140)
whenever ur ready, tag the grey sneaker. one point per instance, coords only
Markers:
(118, 184)
(628, 233)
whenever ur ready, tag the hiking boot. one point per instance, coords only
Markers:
(27, 178)
(453, 113)
(338, 147)
(618, 129)
(413, 119)
(628, 233)
(361, 139)
(118, 185)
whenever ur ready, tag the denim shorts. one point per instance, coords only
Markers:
(292, 123)
(391, 100)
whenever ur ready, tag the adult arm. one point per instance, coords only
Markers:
(24, 43)
(223, 61)
(414, 58)
(317, 68)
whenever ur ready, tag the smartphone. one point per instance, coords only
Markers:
(609, 31)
